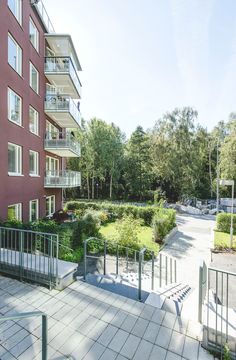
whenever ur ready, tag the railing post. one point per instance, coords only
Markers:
(117, 259)
(127, 259)
(85, 259)
(105, 254)
(200, 292)
(50, 265)
(166, 270)
(57, 255)
(21, 256)
(160, 270)
(175, 271)
(44, 337)
(140, 276)
(152, 270)
(171, 270)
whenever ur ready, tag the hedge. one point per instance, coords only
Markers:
(146, 213)
(223, 222)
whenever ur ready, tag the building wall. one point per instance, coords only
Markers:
(24, 188)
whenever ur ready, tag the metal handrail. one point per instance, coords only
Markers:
(62, 64)
(62, 103)
(61, 141)
(44, 326)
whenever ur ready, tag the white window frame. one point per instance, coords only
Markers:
(18, 57)
(32, 67)
(53, 165)
(52, 131)
(18, 171)
(52, 201)
(10, 91)
(18, 14)
(36, 34)
(36, 163)
(30, 209)
(18, 208)
(36, 120)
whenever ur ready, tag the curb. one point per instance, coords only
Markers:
(170, 235)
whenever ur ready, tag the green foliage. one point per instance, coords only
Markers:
(115, 211)
(163, 223)
(90, 223)
(223, 222)
(226, 354)
(127, 230)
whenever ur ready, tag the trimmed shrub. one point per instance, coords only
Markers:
(118, 211)
(223, 222)
(90, 223)
(163, 222)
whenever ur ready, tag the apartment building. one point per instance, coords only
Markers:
(39, 111)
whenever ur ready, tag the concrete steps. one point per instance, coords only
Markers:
(169, 298)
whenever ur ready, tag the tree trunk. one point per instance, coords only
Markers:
(210, 171)
(88, 187)
(111, 178)
(93, 186)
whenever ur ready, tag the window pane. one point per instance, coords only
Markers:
(33, 163)
(33, 33)
(33, 78)
(14, 212)
(33, 210)
(14, 107)
(33, 120)
(16, 8)
(12, 166)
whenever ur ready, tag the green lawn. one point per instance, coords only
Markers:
(222, 240)
(145, 235)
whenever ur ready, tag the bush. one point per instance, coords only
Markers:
(127, 230)
(163, 223)
(118, 211)
(223, 222)
(90, 223)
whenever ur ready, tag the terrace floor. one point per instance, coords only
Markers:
(90, 323)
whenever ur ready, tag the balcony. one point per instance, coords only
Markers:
(61, 72)
(63, 110)
(62, 145)
(62, 179)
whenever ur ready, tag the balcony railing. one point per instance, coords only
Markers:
(56, 142)
(62, 104)
(39, 6)
(62, 179)
(62, 65)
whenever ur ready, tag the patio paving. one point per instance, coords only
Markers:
(90, 323)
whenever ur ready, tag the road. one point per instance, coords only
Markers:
(190, 245)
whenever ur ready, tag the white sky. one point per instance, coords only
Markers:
(141, 58)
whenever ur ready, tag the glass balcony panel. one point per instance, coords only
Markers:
(63, 65)
(62, 104)
(55, 141)
(62, 179)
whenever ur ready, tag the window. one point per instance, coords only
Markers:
(50, 205)
(52, 132)
(34, 78)
(14, 159)
(34, 35)
(16, 8)
(33, 210)
(14, 212)
(52, 165)
(33, 121)
(14, 107)
(14, 55)
(33, 163)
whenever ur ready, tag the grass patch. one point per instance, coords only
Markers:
(145, 236)
(222, 241)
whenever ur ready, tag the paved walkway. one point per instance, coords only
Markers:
(89, 323)
(190, 245)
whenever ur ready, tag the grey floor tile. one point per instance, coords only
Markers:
(128, 323)
(147, 312)
(169, 320)
(108, 355)
(158, 316)
(130, 346)
(118, 341)
(143, 351)
(107, 335)
(151, 332)
(177, 343)
(157, 353)
(163, 337)
(95, 352)
(139, 327)
(82, 349)
(191, 347)
(119, 318)
(172, 356)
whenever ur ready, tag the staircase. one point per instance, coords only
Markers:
(170, 298)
